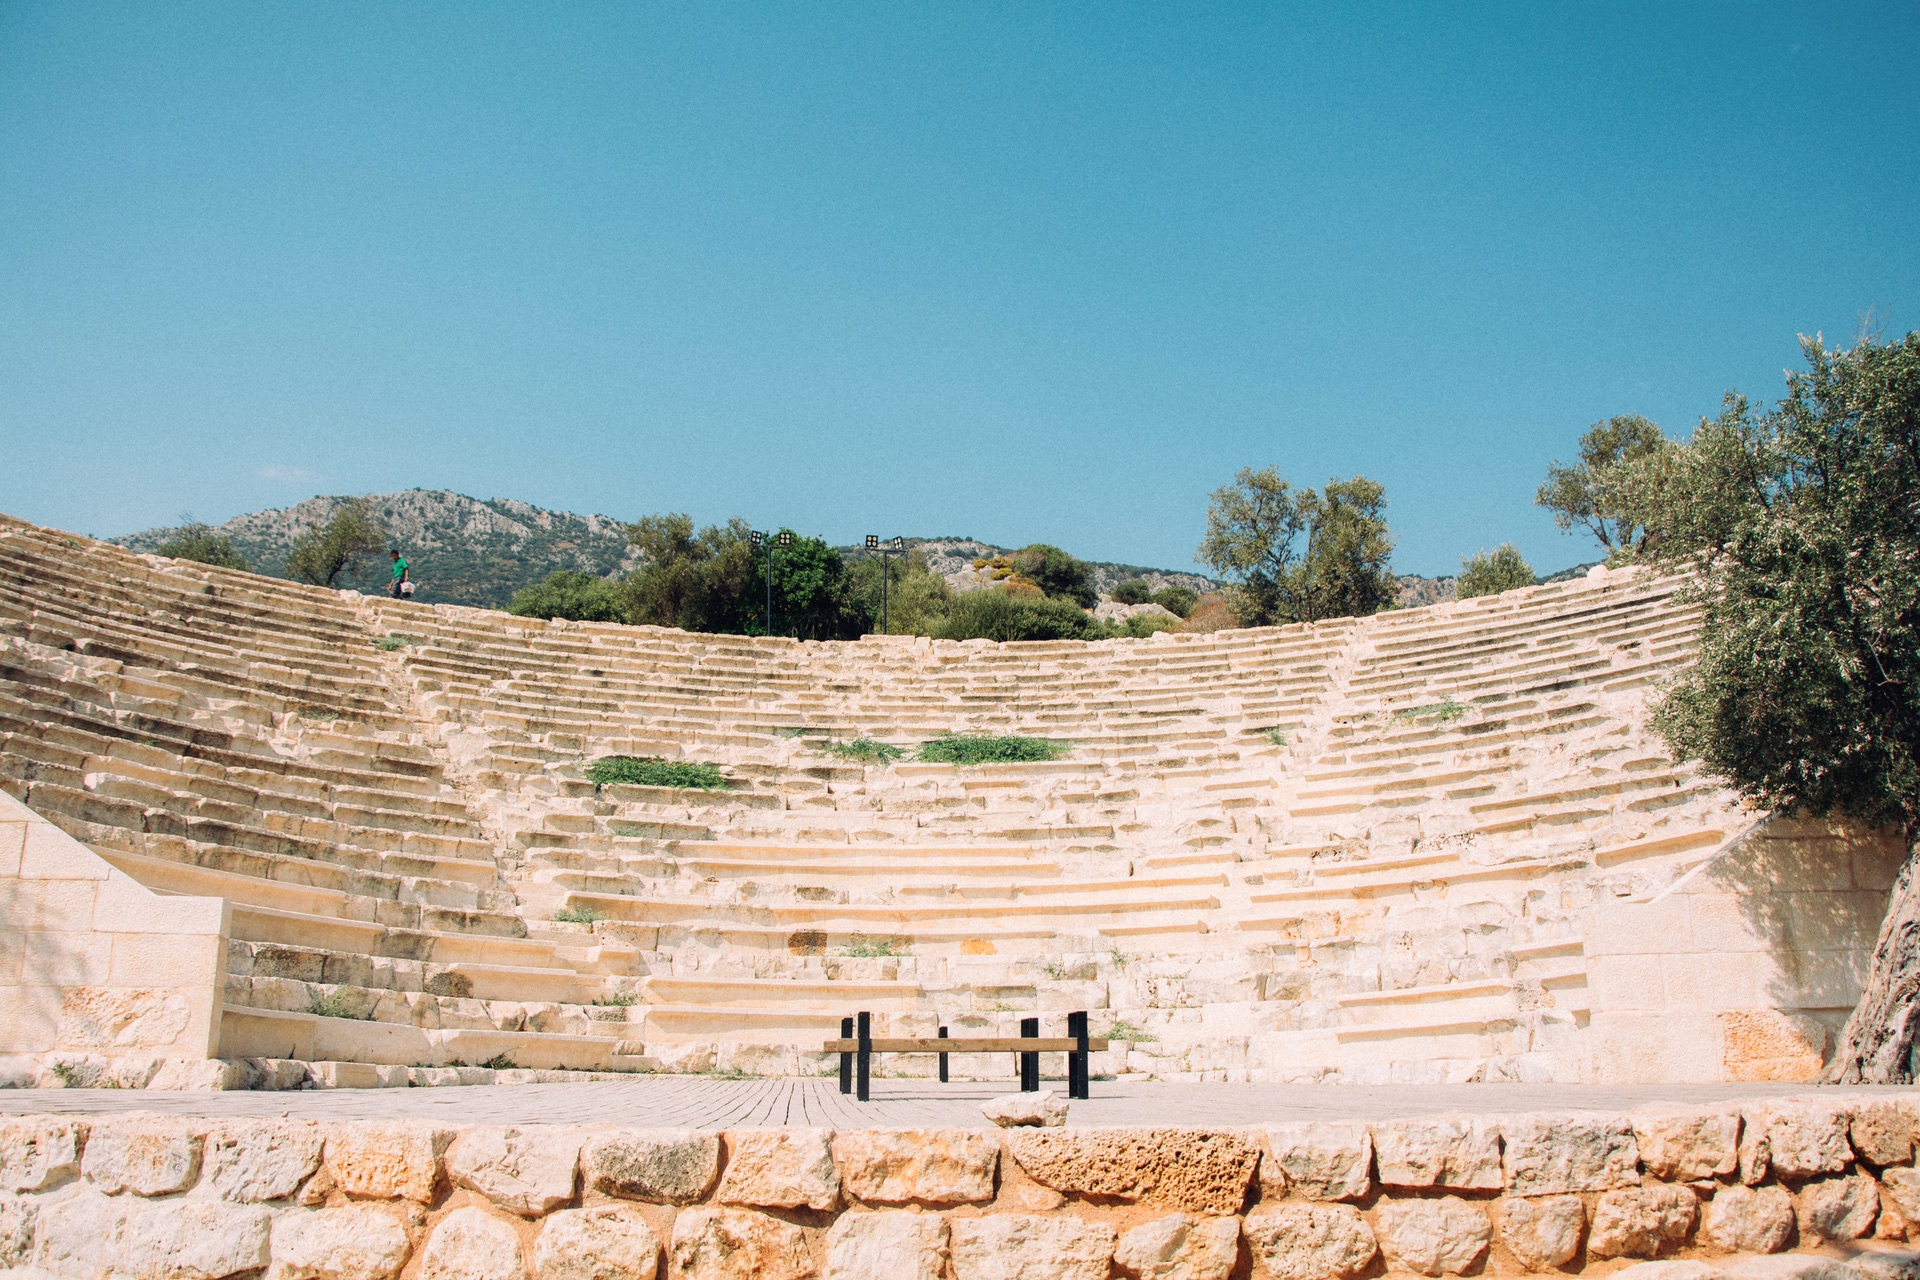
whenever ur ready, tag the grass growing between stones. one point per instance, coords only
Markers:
(333, 1004)
(1126, 1033)
(1277, 737)
(393, 640)
(866, 751)
(651, 771)
(1443, 711)
(862, 947)
(576, 915)
(982, 748)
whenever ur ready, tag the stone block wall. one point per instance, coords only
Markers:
(101, 975)
(1744, 969)
(1716, 1190)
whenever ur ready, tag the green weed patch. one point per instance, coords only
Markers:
(651, 771)
(968, 748)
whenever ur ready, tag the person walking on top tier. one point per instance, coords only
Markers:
(402, 586)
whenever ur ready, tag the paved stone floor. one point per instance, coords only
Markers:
(707, 1103)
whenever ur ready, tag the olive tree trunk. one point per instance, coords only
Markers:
(1876, 1045)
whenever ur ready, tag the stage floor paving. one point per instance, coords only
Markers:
(704, 1102)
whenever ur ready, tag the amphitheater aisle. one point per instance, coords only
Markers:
(1433, 846)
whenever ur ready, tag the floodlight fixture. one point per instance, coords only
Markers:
(873, 541)
(786, 537)
(755, 538)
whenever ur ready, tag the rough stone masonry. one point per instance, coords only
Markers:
(1780, 1190)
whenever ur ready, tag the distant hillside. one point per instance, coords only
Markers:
(462, 550)
(479, 552)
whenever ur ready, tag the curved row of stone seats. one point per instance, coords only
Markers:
(217, 733)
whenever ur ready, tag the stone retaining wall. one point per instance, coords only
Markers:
(198, 1199)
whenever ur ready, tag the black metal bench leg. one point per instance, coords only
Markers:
(943, 1058)
(1077, 1060)
(863, 1058)
(846, 1059)
(1029, 1062)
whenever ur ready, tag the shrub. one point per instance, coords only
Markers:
(1211, 613)
(571, 594)
(335, 1004)
(195, 541)
(1058, 574)
(867, 751)
(651, 771)
(990, 614)
(1142, 625)
(963, 749)
(1176, 600)
(1133, 591)
(576, 915)
(1489, 574)
(394, 640)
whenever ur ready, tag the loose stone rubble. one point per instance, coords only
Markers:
(139, 1196)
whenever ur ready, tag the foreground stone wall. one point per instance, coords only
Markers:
(152, 1196)
(96, 967)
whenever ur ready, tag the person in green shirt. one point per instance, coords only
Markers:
(401, 586)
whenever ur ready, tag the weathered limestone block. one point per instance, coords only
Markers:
(18, 1216)
(1786, 1266)
(1882, 1133)
(358, 1242)
(1200, 1170)
(1323, 1161)
(1019, 1246)
(606, 1242)
(38, 1152)
(730, 1244)
(780, 1169)
(1686, 1146)
(1642, 1222)
(79, 1232)
(250, 1161)
(527, 1171)
(472, 1244)
(390, 1161)
(893, 1244)
(1902, 1186)
(1180, 1247)
(1838, 1208)
(1543, 1231)
(1043, 1110)
(1750, 1219)
(917, 1166)
(1794, 1140)
(660, 1166)
(147, 1155)
(1884, 1262)
(1443, 1151)
(1556, 1154)
(1312, 1241)
(194, 1240)
(1672, 1269)
(1432, 1237)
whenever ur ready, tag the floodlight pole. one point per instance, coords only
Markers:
(886, 571)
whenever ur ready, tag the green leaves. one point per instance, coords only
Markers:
(965, 749)
(650, 771)
(349, 537)
(1486, 575)
(1582, 494)
(1296, 555)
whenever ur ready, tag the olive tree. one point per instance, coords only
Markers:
(348, 538)
(194, 540)
(1582, 494)
(1488, 574)
(1297, 555)
(1803, 523)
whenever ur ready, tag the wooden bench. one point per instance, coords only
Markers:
(856, 1047)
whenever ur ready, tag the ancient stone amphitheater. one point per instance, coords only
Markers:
(251, 819)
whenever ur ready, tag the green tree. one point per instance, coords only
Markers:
(809, 590)
(568, 593)
(1059, 575)
(1584, 494)
(1803, 524)
(1294, 555)
(686, 579)
(917, 597)
(1132, 591)
(1176, 600)
(1489, 574)
(992, 614)
(196, 541)
(349, 537)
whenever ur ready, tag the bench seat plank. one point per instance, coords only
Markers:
(1009, 1044)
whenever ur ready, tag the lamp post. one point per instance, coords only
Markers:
(886, 570)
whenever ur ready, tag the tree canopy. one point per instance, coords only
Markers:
(1487, 574)
(1583, 494)
(1297, 555)
(349, 537)
(196, 541)
(1803, 522)
(569, 593)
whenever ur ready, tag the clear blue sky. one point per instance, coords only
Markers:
(1029, 272)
